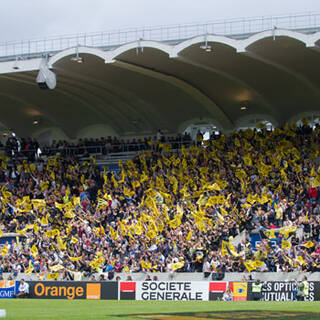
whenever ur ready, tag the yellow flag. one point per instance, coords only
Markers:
(145, 265)
(313, 172)
(137, 229)
(97, 262)
(6, 194)
(5, 250)
(113, 233)
(127, 192)
(50, 234)
(76, 201)
(17, 241)
(301, 260)
(177, 265)
(74, 240)
(59, 205)
(107, 197)
(62, 245)
(93, 159)
(115, 182)
(220, 218)
(52, 175)
(69, 214)
(44, 220)
(263, 199)
(22, 232)
(34, 251)
(102, 204)
(176, 221)
(215, 187)
(135, 184)
(123, 228)
(52, 276)
(285, 244)
(35, 228)
(75, 258)
(224, 251)
(308, 244)
(247, 160)
(151, 234)
(223, 211)
(30, 268)
(44, 186)
(4, 166)
(189, 236)
(56, 268)
(315, 182)
(287, 230)
(199, 257)
(37, 203)
(258, 264)
(231, 248)
(270, 233)
(1, 233)
(249, 265)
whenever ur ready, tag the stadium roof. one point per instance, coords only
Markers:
(134, 82)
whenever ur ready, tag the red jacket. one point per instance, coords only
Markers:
(313, 192)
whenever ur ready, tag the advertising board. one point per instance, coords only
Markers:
(73, 290)
(285, 291)
(8, 288)
(174, 290)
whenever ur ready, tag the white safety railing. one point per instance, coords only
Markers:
(232, 28)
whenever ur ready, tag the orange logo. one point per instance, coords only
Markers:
(93, 291)
(240, 291)
(7, 284)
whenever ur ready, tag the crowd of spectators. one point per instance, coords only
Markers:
(28, 148)
(169, 211)
(115, 145)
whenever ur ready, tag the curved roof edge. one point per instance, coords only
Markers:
(111, 55)
(173, 50)
(200, 39)
(74, 50)
(306, 39)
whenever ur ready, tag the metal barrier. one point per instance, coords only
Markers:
(110, 154)
(237, 28)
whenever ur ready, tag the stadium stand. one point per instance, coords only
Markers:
(27, 148)
(168, 209)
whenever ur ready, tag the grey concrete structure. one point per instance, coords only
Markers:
(231, 74)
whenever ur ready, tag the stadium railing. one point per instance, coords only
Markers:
(236, 28)
(107, 154)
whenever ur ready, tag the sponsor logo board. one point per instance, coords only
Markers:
(172, 291)
(127, 291)
(240, 291)
(65, 290)
(93, 291)
(285, 291)
(8, 288)
(71, 290)
(216, 290)
(58, 290)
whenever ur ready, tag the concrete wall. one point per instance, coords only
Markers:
(264, 276)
